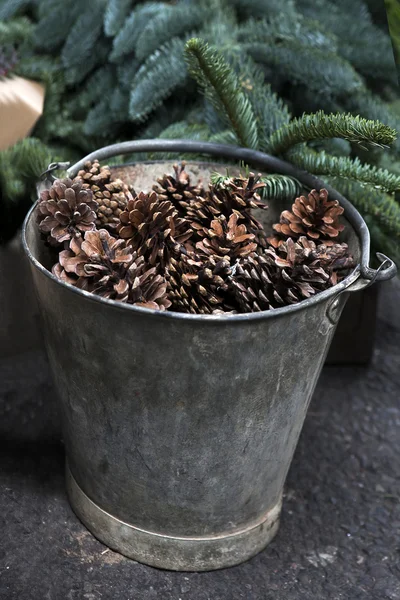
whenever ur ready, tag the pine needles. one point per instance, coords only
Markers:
(319, 125)
(221, 87)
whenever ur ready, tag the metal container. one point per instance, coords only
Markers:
(180, 429)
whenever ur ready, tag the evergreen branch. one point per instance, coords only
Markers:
(260, 8)
(50, 31)
(320, 125)
(114, 17)
(371, 106)
(319, 70)
(83, 36)
(220, 85)
(321, 163)
(277, 187)
(382, 207)
(16, 31)
(270, 111)
(156, 79)
(172, 21)
(287, 27)
(183, 130)
(9, 8)
(224, 137)
(98, 56)
(125, 41)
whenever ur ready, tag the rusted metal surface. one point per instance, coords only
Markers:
(180, 429)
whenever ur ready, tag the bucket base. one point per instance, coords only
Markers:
(173, 553)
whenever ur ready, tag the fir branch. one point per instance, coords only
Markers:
(220, 85)
(16, 31)
(277, 187)
(9, 8)
(287, 27)
(116, 13)
(321, 163)
(224, 137)
(83, 36)
(260, 8)
(52, 28)
(162, 72)
(320, 125)
(371, 106)
(125, 41)
(319, 70)
(172, 21)
(382, 207)
(98, 56)
(183, 130)
(270, 111)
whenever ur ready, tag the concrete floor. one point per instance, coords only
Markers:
(340, 532)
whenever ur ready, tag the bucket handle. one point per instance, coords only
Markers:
(364, 275)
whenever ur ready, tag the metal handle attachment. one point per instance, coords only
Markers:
(359, 280)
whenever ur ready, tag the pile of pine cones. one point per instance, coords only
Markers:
(189, 250)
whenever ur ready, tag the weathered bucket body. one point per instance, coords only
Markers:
(180, 429)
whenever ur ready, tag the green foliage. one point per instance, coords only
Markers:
(222, 88)
(172, 21)
(320, 70)
(321, 163)
(125, 41)
(16, 31)
(9, 8)
(162, 72)
(83, 36)
(319, 125)
(382, 207)
(116, 13)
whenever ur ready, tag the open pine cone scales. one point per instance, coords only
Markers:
(177, 188)
(314, 216)
(65, 211)
(182, 248)
(153, 226)
(111, 195)
(107, 266)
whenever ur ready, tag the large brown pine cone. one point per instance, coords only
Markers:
(226, 239)
(315, 216)
(197, 287)
(66, 211)
(237, 195)
(108, 267)
(296, 270)
(153, 226)
(178, 189)
(112, 195)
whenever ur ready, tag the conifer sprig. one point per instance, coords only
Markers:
(221, 86)
(321, 163)
(320, 125)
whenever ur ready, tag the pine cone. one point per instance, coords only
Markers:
(152, 226)
(107, 266)
(196, 287)
(306, 268)
(226, 239)
(177, 189)
(314, 216)
(112, 195)
(66, 211)
(286, 275)
(238, 195)
(251, 283)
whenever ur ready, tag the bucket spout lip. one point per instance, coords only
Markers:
(362, 276)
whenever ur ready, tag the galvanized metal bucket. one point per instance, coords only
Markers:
(180, 429)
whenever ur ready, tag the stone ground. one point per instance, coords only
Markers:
(340, 532)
